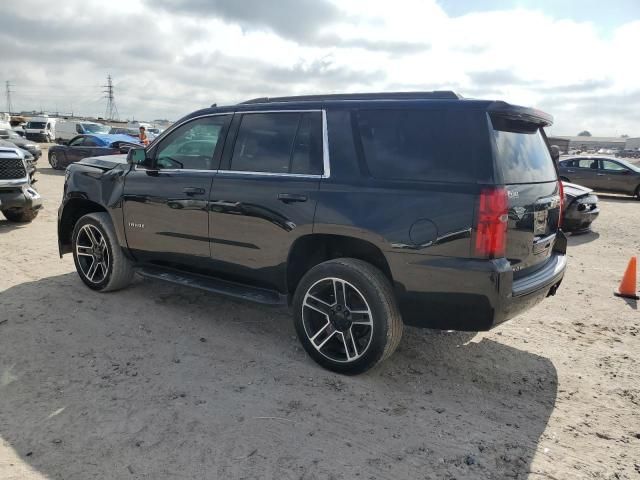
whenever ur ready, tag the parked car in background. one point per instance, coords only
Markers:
(83, 146)
(605, 174)
(132, 132)
(628, 154)
(67, 129)
(28, 145)
(19, 201)
(580, 208)
(361, 211)
(41, 129)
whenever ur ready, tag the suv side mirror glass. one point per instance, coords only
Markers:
(136, 156)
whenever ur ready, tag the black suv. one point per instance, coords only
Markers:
(361, 212)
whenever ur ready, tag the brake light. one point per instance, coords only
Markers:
(561, 188)
(493, 213)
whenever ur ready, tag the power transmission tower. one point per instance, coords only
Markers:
(8, 95)
(112, 111)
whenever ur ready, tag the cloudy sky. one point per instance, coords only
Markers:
(578, 60)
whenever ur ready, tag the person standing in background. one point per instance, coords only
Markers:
(143, 136)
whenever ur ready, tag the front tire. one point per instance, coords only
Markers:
(20, 215)
(100, 262)
(54, 161)
(346, 315)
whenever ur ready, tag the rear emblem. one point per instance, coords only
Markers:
(511, 194)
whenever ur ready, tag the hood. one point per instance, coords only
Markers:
(105, 162)
(573, 190)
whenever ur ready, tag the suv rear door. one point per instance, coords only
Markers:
(525, 167)
(264, 196)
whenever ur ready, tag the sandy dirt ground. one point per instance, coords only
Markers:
(162, 382)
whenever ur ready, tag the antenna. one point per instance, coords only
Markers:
(8, 96)
(112, 111)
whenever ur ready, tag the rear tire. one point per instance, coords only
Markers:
(100, 262)
(637, 194)
(346, 315)
(20, 215)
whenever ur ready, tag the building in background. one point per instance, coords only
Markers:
(561, 142)
(632, 144)
(589, 143)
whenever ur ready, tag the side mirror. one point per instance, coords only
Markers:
(136, 156)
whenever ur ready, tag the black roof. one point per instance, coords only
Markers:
(435, 95)
(383, 99)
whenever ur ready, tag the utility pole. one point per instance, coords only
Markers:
(8, 95)
(112, 111)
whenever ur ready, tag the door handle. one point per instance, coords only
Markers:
(570, 171)
(600, 174)
(193, 191)
(291, 197)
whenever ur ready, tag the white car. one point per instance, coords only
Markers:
(68, 129)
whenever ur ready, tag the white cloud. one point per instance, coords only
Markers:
(168, 58)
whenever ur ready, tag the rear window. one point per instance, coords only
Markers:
(522, 154)
(431, 145)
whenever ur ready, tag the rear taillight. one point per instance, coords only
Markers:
(561, 189)
(491, 232)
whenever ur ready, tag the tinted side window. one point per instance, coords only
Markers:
(588, 163)
(279, 143)
(307, 149)
(77, 142)
(436, 145)
(192, 145)
(613, 166)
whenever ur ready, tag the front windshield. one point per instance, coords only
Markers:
(36, 125)
(95, 128)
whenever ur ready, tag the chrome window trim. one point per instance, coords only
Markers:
(271, 174)
(326, 161)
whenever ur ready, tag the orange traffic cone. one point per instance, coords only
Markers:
(628, 285)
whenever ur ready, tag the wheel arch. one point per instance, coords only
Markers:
(74, 209)
(313, 249)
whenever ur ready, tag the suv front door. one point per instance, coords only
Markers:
(265, 194)
(166, 200)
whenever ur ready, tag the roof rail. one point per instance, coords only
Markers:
(435, 95)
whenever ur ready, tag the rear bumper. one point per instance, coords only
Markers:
(576, 220)
(23, 196)
(467, 294)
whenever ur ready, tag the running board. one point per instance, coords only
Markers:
(214, 285)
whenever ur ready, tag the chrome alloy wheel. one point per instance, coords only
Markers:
(92, 254)
(337, 320)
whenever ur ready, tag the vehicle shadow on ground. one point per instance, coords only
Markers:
(574, 239)
(7, 226)
(158, 381)
(50, 171)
